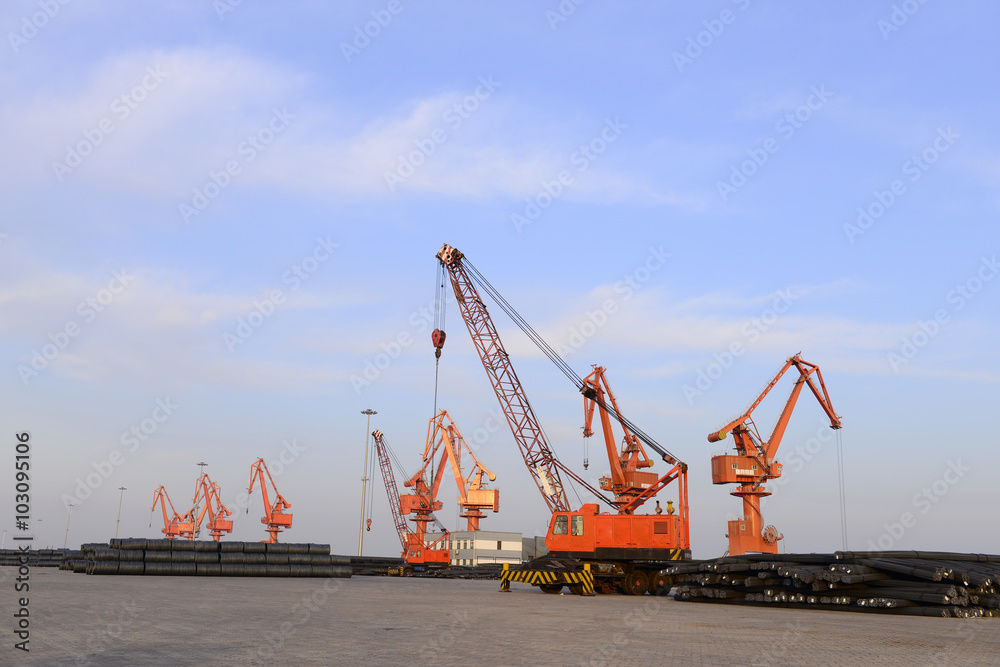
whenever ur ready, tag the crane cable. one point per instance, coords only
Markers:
(371, 489)
(440, 304)
(560, 363)
(843, 495)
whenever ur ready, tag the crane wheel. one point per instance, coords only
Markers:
(552, 589)
(636, 583)
(660, 584)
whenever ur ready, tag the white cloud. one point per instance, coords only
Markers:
(206, 102)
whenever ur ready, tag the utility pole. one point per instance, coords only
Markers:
(69, 513)
(120, 498)
(364, 478)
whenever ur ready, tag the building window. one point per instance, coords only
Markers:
(499, 546)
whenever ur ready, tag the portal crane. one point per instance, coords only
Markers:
(275, 517)
(174, 525)
(754, 461)
(628, 550)
(416, 552)
(442, 433)
(214, 508)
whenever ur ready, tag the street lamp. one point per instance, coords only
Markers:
(364, 479)
(69, 513)
(119, 519)
(197, 498)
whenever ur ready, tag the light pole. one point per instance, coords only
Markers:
(69, 513)
(364, 479)
(119, 519)
(201, 471)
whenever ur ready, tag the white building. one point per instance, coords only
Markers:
(482, 547)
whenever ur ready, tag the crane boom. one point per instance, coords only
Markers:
(390, 486)
(541, 462)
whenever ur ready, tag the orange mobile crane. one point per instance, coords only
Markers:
(621, 551)
(275, 517)
(214, 508)
(753, 464)
(174, 525)
(416, 552)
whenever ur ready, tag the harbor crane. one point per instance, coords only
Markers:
(275, 517)
(417, 552)
(214, 508)
(754, 463)
(174, 525)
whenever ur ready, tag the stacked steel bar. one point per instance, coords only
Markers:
(897, 582)
(34, 557)
(208, 558)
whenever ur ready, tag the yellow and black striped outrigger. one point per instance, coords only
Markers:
(584, 578)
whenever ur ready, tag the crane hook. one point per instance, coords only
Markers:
(369, 524)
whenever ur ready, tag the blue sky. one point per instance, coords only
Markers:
(188, 164)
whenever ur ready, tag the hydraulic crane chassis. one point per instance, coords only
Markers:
(585, 574)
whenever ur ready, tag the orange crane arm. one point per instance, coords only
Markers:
(159, 496)
(402, 530)
(806, 370)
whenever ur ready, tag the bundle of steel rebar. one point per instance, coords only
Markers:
(129, 556)
(34, 557)
(899, 582)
